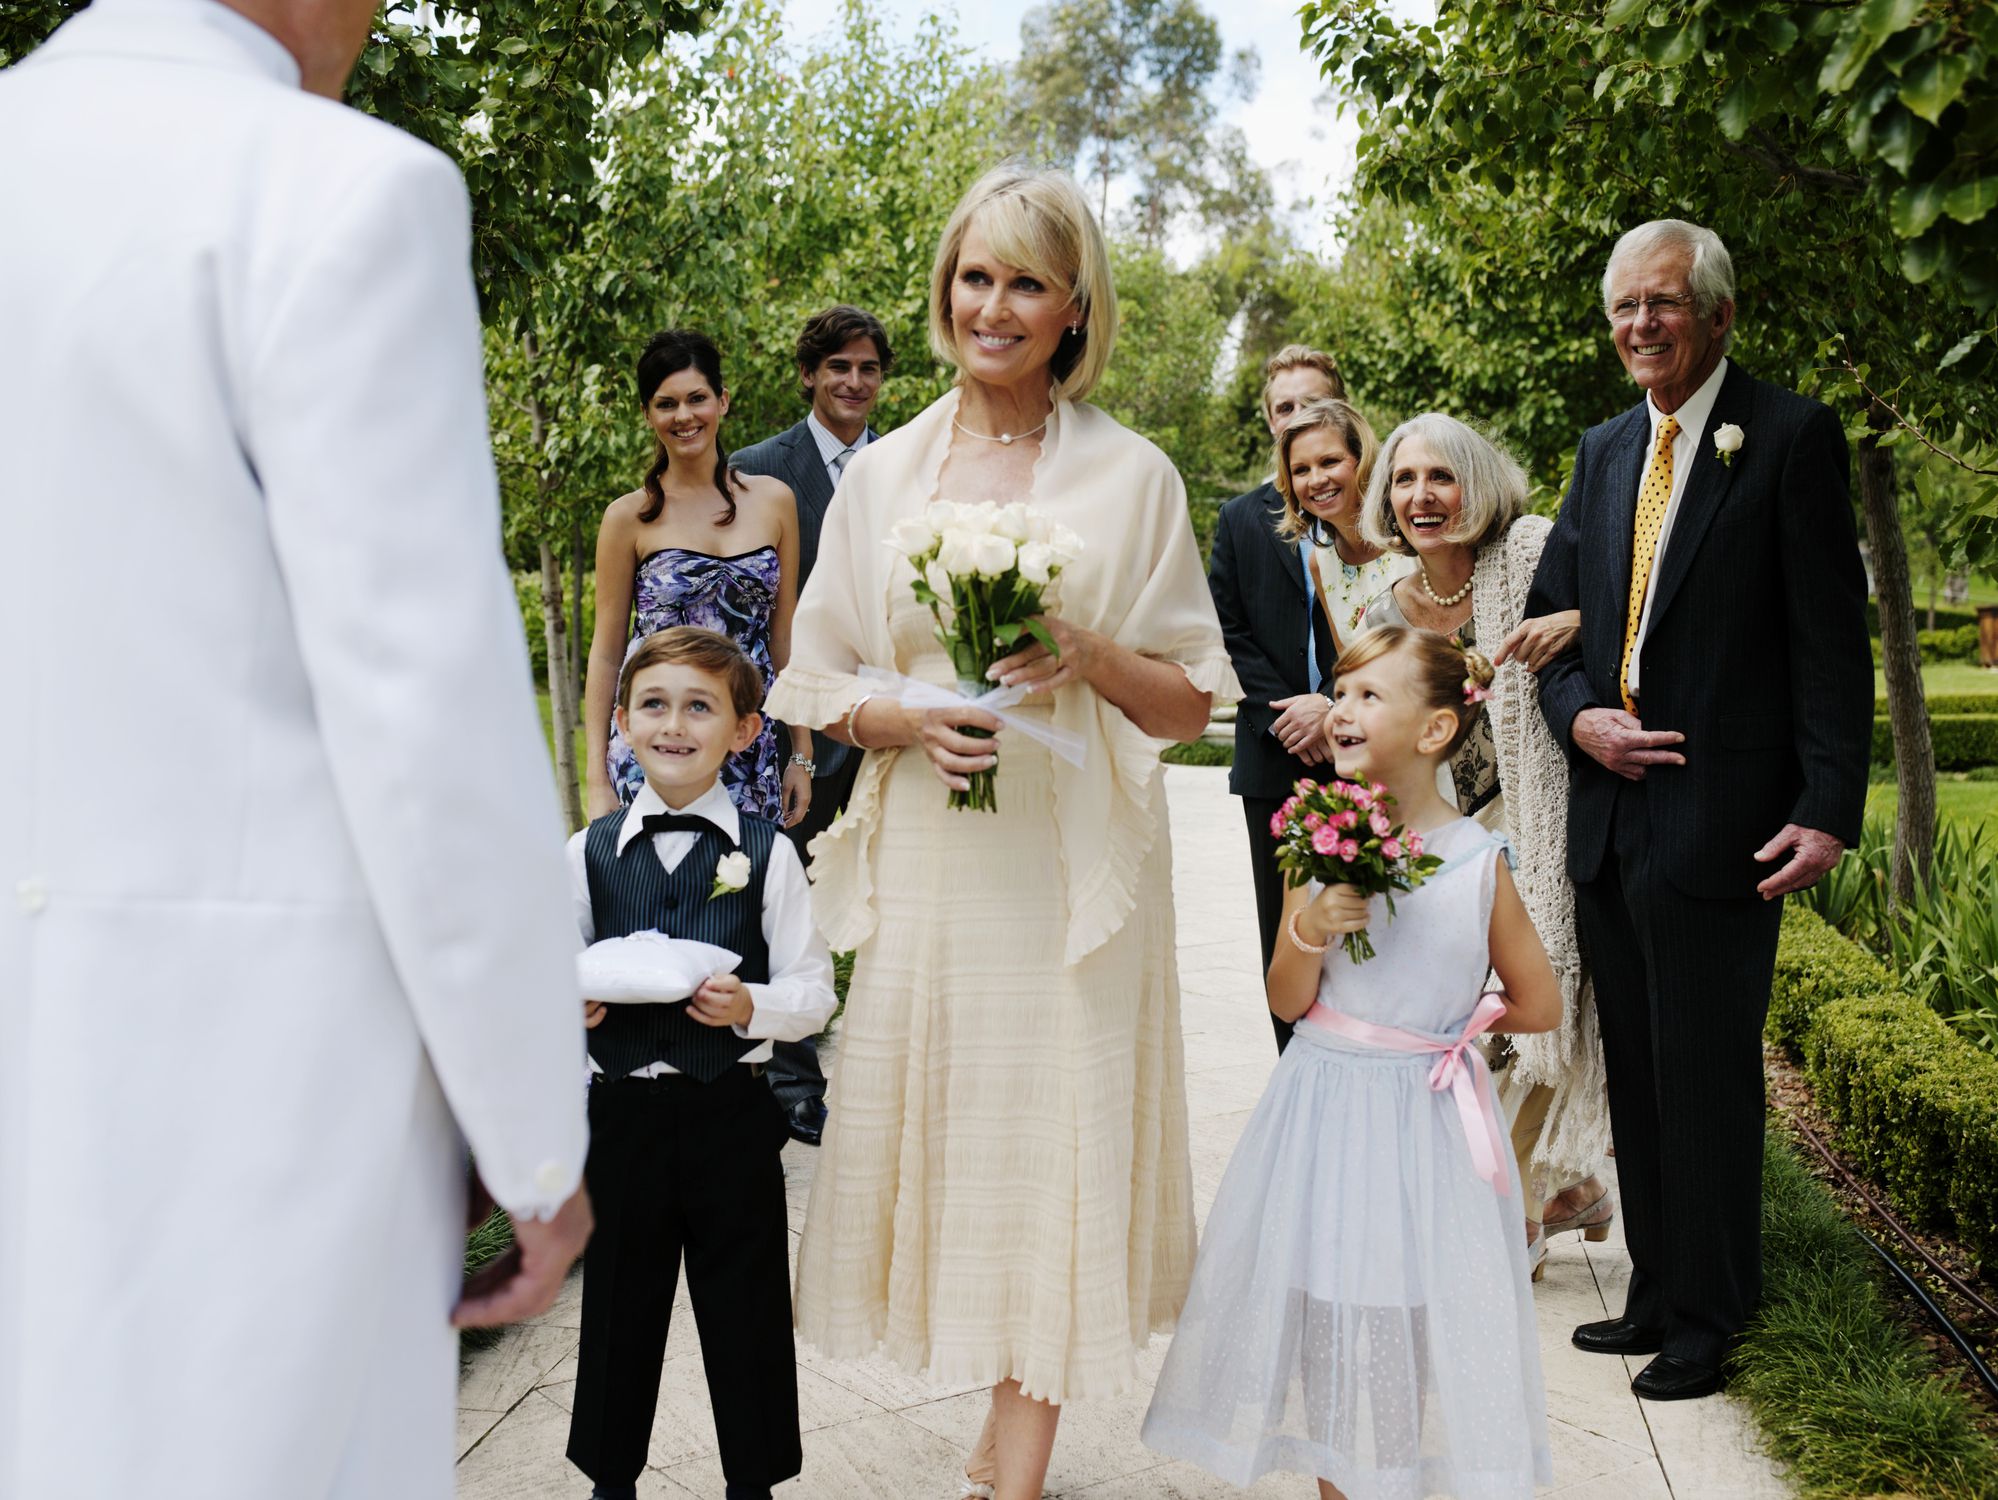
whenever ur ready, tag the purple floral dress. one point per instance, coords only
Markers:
(736, 596)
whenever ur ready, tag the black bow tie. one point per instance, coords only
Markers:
(672, 822)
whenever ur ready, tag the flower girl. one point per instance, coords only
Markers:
(1360, 1310)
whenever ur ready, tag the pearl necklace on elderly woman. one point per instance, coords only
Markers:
(1442, 601)
(1003, 437)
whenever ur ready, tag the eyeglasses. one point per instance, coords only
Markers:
(1624, 309)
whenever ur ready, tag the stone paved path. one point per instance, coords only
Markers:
(875, 1433)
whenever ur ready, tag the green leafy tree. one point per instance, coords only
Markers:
(1513, 145)
(1116, 86)
(512, 89)
(744, 187)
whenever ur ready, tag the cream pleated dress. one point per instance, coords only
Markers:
(1004, 1189)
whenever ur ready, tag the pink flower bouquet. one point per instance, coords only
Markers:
(1345, 833)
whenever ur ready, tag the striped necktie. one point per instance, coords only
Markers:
(839, 464)
(1652, 500)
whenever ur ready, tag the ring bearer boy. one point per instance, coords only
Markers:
(684, 1135)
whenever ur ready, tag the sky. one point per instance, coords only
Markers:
(1292, 132)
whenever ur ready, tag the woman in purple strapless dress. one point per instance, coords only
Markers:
(697, 544)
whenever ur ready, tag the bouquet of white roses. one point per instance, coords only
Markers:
(983, 569)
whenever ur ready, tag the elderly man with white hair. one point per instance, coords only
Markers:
(1717, 708)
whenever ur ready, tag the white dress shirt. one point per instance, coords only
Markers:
(831, 446)
(797, 1000)
(1693, 416)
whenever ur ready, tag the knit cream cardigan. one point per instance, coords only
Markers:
(1533, 775)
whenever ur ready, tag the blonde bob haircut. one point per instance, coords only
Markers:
(1492, 483)
(1039, 222)
(1342, 418)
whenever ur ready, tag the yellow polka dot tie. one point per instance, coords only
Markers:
(1651, 502)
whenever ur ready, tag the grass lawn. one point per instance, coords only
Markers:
(548, 733)
(1961, 801)
(1951, 677)
(1850, 1400)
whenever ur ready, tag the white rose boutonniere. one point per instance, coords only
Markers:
(731, 874)
(1727, 442)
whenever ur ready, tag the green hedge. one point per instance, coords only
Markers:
(1815, 966)
(1962, 742)
(1958, 643)
(1913, 1101)
(1946, 618)
(1951, 703)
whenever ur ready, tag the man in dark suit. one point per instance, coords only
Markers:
(1718, 713)
(1257, 579)
(843, 355)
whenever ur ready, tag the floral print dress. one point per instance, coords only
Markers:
(738, 597)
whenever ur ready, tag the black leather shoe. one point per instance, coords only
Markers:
(1617, 1336)
(1669, 1378)
(806, 1120)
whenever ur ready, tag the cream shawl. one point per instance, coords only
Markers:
(1138, 581)
(1534, 777)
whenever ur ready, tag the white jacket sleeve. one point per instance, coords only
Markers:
(364, 418)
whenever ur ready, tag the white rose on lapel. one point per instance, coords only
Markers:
(731, 874)
(1727, 441)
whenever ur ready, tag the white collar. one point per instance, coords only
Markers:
(198, 31)
(831, 445)
(1694, 411)
(714, 804)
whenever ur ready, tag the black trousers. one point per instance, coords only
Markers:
(679, 1168)
(794, 1073)
(1682, 989)
(1269, 888)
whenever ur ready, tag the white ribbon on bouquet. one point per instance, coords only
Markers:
(1065, 743)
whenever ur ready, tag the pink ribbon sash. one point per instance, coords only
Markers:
(1460, 1068)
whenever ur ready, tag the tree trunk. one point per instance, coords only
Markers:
(561, 701)
(579, 560)
(562, 709)
(1907, 710)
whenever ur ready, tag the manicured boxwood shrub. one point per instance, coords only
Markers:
(1952, 703)
(1959, 643)
(1815, 966)
(1946, 618)
(1913, 1101)
(1962, 741)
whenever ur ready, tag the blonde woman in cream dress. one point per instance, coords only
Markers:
(1004, 1195)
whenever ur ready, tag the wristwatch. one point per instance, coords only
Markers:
(811, 766)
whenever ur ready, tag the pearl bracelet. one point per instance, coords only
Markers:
(1299, 943)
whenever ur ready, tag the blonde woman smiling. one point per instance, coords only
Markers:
(1004, 1195)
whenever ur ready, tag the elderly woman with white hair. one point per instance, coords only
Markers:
(1453, 500)
(1004, 1196)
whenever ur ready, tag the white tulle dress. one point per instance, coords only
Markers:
(1360, 1310)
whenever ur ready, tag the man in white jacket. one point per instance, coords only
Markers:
(282, 900)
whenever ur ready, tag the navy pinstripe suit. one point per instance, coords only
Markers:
(1757, 653)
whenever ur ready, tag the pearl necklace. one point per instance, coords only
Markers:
(1003, 437)
(1442, 601)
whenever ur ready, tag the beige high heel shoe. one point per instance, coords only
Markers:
(970, 1489)
(1593, 1221)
